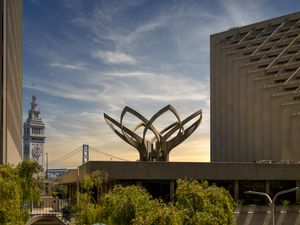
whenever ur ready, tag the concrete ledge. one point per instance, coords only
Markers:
(176, 170)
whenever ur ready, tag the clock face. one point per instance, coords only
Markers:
(36, 153)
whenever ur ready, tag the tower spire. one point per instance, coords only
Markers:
(33, 103)
(34, 134)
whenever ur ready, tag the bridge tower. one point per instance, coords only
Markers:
(34, 135)
(85, 153)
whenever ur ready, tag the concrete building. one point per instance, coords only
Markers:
(11, 81)
(255, 92)
(34, 135)
(159, 178)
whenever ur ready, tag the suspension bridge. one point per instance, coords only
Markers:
(80, 155)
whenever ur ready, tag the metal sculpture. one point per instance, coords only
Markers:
(159, 148)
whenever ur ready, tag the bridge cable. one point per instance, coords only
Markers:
(108, 155)
(64, 157)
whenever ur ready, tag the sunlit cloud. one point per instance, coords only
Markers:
(113, 57)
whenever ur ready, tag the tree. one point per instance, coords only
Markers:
(10, 196)
(29, 173)
(159, 213)
(17, 185)
(87, 210)
(196, 204)
(134, 205)
(59, 191)
(204, 205)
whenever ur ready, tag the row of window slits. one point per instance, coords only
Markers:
(267, 33)
(282, 80)
(290, 69)
(291, 88)
(279, 62)
(297, 98)
(273, 55)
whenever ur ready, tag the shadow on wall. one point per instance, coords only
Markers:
(261, 215)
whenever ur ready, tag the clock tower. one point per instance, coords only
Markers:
(34, 135)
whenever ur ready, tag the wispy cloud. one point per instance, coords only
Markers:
(242, 13)
(110, 57)
(104, 55)
(77, 66)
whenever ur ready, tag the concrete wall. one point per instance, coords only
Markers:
(201, 171)
(233, 175)
(11, 88)
(261, 215)
(255, 94)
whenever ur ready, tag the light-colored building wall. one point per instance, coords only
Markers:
(11, 88)
(255, 91)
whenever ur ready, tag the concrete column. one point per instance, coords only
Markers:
(297, 192)
(77, 185)
(172, 190)
(267, 187)
(236, 190)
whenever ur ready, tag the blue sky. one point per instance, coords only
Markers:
(87, 57)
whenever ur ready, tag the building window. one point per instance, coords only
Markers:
(271, 72)
(292, 51)
(37, 131)
(246, 199)
(254, 59)
(262, 66)
(279, 81)
(290, 69)
(293, 88)
(276, 186)
(282, 62)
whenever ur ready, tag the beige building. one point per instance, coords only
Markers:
(255, 92)
(11, 81)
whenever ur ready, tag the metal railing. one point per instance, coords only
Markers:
(51, 206)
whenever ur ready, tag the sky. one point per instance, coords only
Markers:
(89, 57)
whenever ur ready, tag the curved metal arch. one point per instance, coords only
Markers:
(121, 135)
(188, 131)
(158, 114)
(160, 151)
(142, 118)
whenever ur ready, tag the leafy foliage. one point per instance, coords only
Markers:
(17, 185)
(10, 196)
(196, 204)
(123, 204)
(159, 213)
(59, 191)
(203, 204)
(29, 173)
(87, 210)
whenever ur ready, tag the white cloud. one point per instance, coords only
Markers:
(241, 13)
(110, 57)
(77, 66)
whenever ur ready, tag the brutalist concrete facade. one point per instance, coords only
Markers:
(255, 92)
(11, 81)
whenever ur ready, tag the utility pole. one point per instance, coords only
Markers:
(46, 165)
(272, 201)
